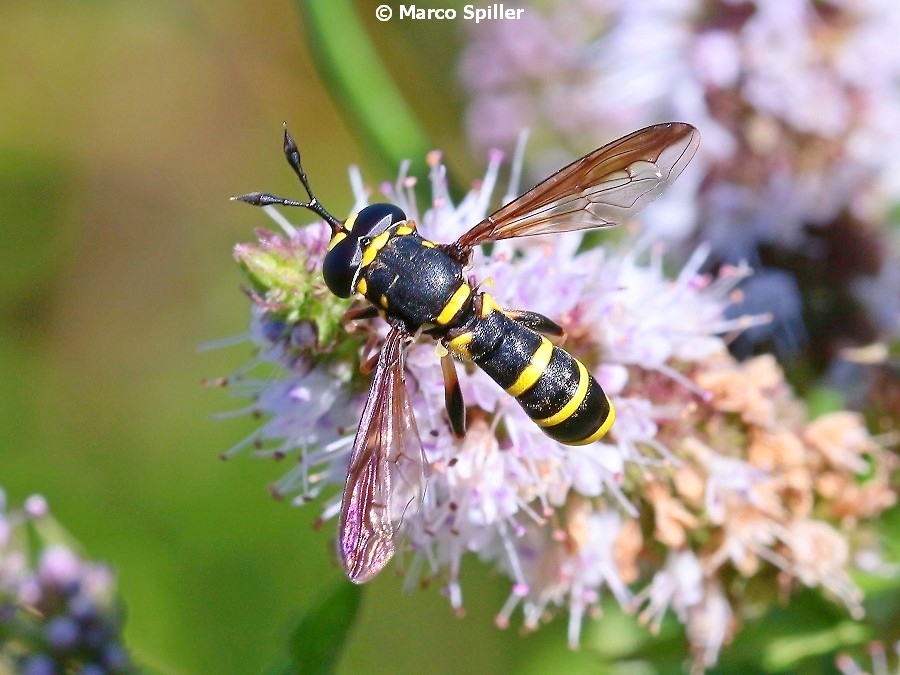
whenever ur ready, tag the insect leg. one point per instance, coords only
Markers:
(369, 354)
(359, 312)
(538, 322)
(456, 408)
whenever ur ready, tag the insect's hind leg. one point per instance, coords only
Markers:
(456, 408)
(538, 322)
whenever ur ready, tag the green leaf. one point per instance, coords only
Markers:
(316, 642)
(796, 638)
(822, 400)
(786, 653)
(354, 72)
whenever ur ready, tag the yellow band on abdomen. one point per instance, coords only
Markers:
(573, 403)
(535, 368)
(601, 432)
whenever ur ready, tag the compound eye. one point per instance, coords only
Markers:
(338, 270)
(342, 260)
(375, 219)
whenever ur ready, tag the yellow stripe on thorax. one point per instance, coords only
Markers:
(340, 235)
(373, 248)
(454, 304)
(535, 368)
(573, 404)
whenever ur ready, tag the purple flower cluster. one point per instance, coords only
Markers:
(699, 453)
(797, 102)
(59, 615)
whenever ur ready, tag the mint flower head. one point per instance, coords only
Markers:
(711, 471)
(58, 612)
(797, 101)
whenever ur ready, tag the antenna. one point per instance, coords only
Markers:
(292, 154)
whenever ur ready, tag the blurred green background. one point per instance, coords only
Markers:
(124, 127)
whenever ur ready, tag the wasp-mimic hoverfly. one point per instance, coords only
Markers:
(418, 287)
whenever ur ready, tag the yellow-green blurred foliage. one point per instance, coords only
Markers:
(124, 127)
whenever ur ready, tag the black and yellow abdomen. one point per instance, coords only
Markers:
(554, 388)
(410, 279)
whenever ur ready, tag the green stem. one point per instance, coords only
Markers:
(352, 70)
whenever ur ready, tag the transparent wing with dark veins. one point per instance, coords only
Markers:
(386, 471)
(603, 188)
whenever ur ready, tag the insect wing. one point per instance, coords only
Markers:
(386, 471)
(603, 188)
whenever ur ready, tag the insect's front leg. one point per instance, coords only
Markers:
(359, 311)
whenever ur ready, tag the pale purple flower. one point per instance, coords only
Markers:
(563, 523)
(58, 611)
(677, 586)
(797, 102)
